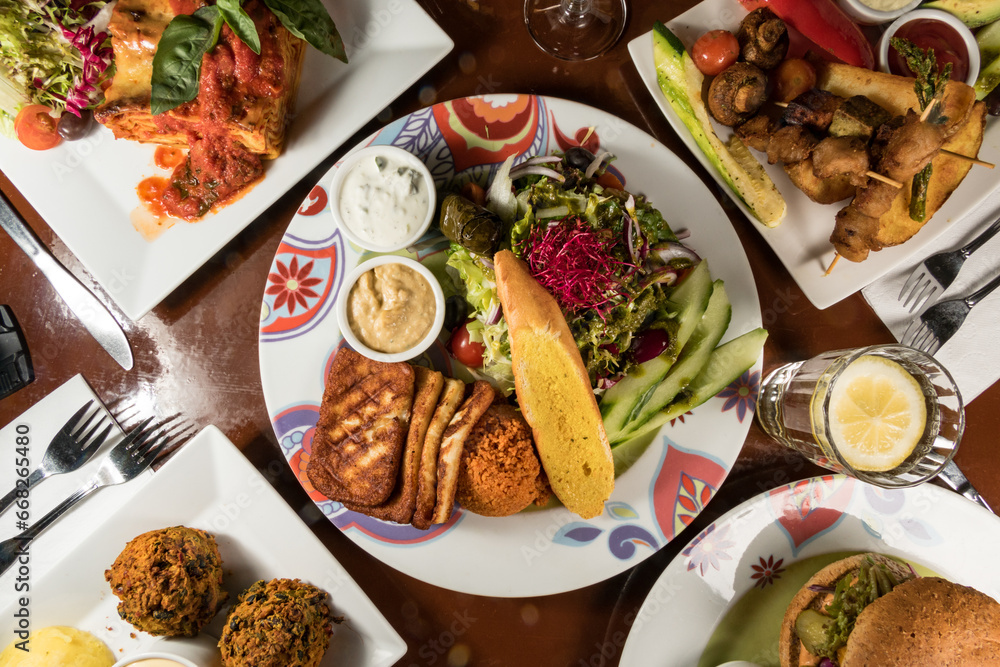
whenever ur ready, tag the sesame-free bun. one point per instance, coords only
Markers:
(928, 622)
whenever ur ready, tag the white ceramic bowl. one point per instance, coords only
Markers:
(420, 347)
(935, 15)
(865, 15)
(370, 152)
(200, 651)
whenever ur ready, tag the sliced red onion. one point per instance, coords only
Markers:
(826, 662)
(608, 383)
(540, 159)
(664, 275)
(536, 170)
(487, 262)
(631, 231)
(500, 196)
(596, 164)
(682, 234)
(494, 314)
(672, 251)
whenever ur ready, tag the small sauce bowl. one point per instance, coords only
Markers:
(200, 651)
(861, 11)
(352, 337)
(948, 24)
(393, 228)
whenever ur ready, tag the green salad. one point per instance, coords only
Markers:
(609, 258)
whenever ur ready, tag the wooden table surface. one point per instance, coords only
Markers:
(196, 353)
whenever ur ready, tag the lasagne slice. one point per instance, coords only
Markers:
(243, 96)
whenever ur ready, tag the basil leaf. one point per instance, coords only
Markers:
(240, 22)
(309, 20)
(177, 62)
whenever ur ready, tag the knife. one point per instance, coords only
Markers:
(95, 316)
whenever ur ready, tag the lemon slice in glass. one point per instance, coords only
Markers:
(877, 414)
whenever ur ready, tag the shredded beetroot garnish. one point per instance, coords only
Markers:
(574, 262)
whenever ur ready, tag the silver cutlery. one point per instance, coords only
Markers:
(939, 323)
(72, 446)
(126, 461)
(95, 316)
(953, 477)
(937, 272)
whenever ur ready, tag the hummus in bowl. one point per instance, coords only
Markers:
(390, 308)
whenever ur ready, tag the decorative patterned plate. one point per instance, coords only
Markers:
(535, 552)
(750, 548)
(801, 242)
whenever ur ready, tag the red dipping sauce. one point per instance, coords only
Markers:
(931, 34)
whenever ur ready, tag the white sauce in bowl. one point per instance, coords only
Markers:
(383, 200)
(885, 5)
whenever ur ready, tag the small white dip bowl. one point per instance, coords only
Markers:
(971, 47)
(352, 339)
(382, 243)
(865, 15)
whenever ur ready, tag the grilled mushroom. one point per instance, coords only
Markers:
(737, 93)
(763, 38)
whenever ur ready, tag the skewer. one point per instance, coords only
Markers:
(927, 110)
(885, 179)
(981, 163)
(836, 258)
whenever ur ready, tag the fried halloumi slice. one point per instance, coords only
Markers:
(452, 445)
(402, 501)
(448, 405)
(363, 424)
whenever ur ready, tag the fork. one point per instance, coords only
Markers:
(953, 477)
(127, 460)
(937, 272)
(72, 447)
(940, 322)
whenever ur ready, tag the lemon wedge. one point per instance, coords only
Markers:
(877, 414)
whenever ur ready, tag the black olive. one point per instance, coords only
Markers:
(579, 157)
(72, 127)
(455, 311)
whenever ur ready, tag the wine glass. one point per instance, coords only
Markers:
(575, 29)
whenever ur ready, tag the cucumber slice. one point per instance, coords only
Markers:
(693, 358)
(681, 83)
(726, 363)
(689, 301)
(988, 40)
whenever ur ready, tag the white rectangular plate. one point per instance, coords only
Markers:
(801, 241)
(85, 190)
(210, 485)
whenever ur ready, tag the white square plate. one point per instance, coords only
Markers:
(802, 240)
(85, 190)
(210, 485)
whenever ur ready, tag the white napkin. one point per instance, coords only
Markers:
(42, 421)
(972, 355)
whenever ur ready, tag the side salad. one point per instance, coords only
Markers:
(642, 306)
(54, 56)
(608, 257)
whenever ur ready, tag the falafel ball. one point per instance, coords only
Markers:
(281, 623)
(169, 581)
(500, 473)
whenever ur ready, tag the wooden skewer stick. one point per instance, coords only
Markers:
(836, 258)
(927, 110)
(885, 179)
(973, 160)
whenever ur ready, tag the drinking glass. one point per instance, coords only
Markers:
(795, 402)
(575, 29)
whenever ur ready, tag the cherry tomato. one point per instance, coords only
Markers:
(715, 51)
(465, 350)
(609, 180)
(791, 78)
(474, 193)
(37, 128)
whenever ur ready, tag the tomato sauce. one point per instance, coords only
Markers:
(930, 34)
(168, 157)
(233, 78)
